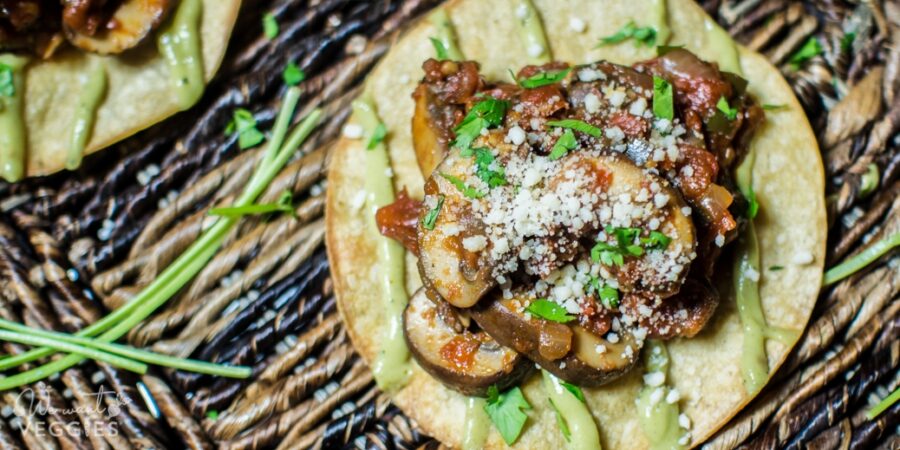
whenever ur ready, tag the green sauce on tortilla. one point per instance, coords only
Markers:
(660, 22)
(532, 33)
(574, 413)
(477, 424)
(446, 34)
(391, 366)
(179, 43)
(658, 417)
(12, 124)
(92, 86)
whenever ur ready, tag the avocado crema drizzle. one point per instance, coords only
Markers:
(178, 42)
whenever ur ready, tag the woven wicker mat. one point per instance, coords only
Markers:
(76, 245)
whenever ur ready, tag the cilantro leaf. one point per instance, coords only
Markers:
(483, 160)
(774, 268)
(562, 146)
(810, 49)
(577, 125)
(485, 114)
(378, 135)
(505, 411)
(549, 310)
(7, 82)
(656, 241)
(212, 414)
(440, 50)
(431, 217)
(644, 35)
(722, 105)
(466, 190)
(752, 203)
(575, 390)
(609, 297)
(543, 78)
(293, 75)
(244, 124)
(270, 26)
(607, 254)
(663, 104)
(847, 41)
(561, 422)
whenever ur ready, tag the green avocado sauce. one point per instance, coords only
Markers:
(660, 21)
(446, 34)
(13, 139)
(179, 43)
(92, 87)
(391, 366)
(659, 418)
(532, 33)
(723, 47)
(477, 424)
(583, 433)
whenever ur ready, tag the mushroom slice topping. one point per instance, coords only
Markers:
(468, 361)
(92, 28)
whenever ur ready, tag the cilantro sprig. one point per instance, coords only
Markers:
(292, 74)
(7, 83)
(663, 103)
(543, 78)
(562, 146)
(440, 50)
(484, 159)
(270, 26)
(549, 310)
(506, 411)
(609, 296)
(466, 190)
(729, 111)
(625, 245)
(431, 216)
(808, 51)
(244, 124)
(485, 114)
(644, 35)
(656, 241)
(378, 135)
(577, 125)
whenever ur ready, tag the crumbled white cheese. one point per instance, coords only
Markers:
(656, 396)
(802, 257)
(601, 349)
(684, 421)
(592, 103)
(516, 135)
(686, 210)
(720, 240)
(612, 337)
(589, 74)
(535, 50)
(474, 243)
(673, 396)
(752, 273)
(617, 97)
(352, 131)
(358, 201)
(638, 107)
(654, 379)
(577, 25)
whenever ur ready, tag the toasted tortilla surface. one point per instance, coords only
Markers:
(139, 91)
(788, 180)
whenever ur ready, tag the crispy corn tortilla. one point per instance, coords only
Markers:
(139, 91)
(788, 180)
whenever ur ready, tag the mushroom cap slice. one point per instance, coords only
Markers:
(468, 362)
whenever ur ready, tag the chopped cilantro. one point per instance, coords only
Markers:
(773, 107)
(561, 422)
(270, 26)
(722, 105)
(752, 203)
(549, 310)
(378, 135)
(577, 125)
(543, 78)
(644, 35)
(614, 255)
(663, 49)
(656, 240)
(293, 75)
(244, 124)
(466, 190)
(483, 160)
(485, 114)
(809, 50)
(506, 412)
(440, 50)
(431, 217)
(575, 390)
(663, 105)
(609, 296)
(212, 414)
(847, 41)
(562, 146)
(7, 82)
(607, 254)
(776, 268)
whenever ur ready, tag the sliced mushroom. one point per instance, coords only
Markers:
(468, 362)
(95, 30)
(454, 255)
(430, 139)
(590, 361)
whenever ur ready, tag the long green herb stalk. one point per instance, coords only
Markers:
(187, 265)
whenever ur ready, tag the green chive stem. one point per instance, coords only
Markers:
(118, 361)
(883, 405)
(255, 209)
(132, 353)
(173, 278)
(855, 263)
